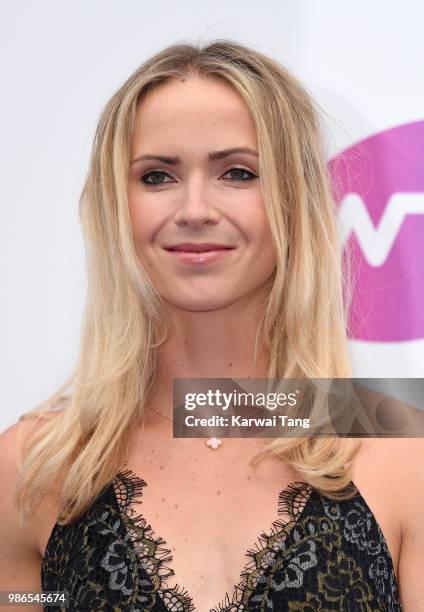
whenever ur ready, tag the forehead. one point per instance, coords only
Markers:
(203, 110)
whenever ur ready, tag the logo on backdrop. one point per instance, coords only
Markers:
(379, 188)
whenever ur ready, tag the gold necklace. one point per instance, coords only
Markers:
(212, 443)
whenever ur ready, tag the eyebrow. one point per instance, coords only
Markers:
(212, 156)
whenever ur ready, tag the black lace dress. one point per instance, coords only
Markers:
(327, 556)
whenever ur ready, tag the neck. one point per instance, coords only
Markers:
(217, 344)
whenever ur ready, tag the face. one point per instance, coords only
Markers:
(182, 192)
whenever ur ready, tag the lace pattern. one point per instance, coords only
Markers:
(154, 555)
(328, 556)
(150, 549)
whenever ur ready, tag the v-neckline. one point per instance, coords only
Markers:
(130, 488)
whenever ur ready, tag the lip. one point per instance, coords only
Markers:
(200, 258)
(198, 246)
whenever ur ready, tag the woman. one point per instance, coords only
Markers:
(206, 146)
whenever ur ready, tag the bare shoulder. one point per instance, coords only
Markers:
(11, 439)
(410, 495)
(398, 465)
(390, 473)
(23, 537)
(19, 557)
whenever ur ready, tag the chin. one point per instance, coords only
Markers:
(211, 304)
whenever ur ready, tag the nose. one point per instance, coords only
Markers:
(195, 210)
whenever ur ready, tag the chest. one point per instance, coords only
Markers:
(211, 513)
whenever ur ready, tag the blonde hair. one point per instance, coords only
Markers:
(303, 324)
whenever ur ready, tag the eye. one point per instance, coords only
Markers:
(156, 174)
(240, 171)
(153, 173)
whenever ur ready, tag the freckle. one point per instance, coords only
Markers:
(215, 474)
(175, 505)
(201, 576)
(161, 467)
(186, 539)
(230, 364)
(249, 478)
(218, 492)
(163, 499)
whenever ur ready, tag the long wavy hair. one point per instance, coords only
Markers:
(82, 432)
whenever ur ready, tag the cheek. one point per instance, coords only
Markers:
(256, 227)
(140, 236)
(261, 237)
(143, 226)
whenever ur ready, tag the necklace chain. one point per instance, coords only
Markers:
(213, 443)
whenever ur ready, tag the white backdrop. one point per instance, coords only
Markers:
(61, 61)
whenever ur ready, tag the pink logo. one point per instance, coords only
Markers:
(379, 188)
